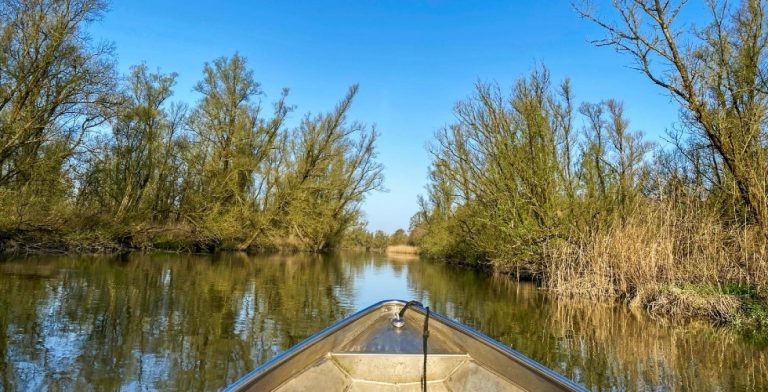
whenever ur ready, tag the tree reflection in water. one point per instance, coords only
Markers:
(168, 321)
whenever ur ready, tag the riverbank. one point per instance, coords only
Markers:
(403, 250)
(679, 231)
(177, 238)
(666, 260)
(601, 269)
(741, 306)
(685, 264)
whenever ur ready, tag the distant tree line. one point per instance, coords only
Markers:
(83, 150)
(360, 238)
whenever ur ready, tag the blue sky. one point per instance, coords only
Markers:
(413, 61)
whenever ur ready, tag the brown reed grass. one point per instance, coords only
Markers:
(403, 250)
(664, 257)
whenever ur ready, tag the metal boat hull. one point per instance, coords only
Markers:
(365, 352)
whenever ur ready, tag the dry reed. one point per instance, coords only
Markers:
(403, 250)
(664, 257)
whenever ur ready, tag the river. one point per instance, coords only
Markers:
(199, 322)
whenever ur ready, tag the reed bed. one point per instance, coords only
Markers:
(403, 250)
(668, 259)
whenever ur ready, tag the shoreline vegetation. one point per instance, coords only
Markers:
(528, 182)
(403, 250)
(525, 182)
(95, 161)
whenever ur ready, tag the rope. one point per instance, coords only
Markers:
(426, 336)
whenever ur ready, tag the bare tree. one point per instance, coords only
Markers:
(718, 74)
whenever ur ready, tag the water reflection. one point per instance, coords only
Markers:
(181, 322)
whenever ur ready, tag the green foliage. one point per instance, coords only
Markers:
(331, 166)
(84, 151)
(508, 177)
(55, 86)
(380, 240)
(399, 237)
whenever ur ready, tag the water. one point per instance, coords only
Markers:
(199, 322)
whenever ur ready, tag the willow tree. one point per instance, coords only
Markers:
(716, 73)
(332, 166)
(141, 132)
(612, 171)
(125, 167)
(232, 140)
(506, 166)
(511, 177)
(55, 85)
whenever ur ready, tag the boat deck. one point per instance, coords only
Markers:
(367, 352)
(387, 372)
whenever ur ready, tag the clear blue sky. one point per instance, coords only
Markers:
(413, 61)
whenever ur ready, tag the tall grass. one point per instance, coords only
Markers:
(668, 258)
(403, 250)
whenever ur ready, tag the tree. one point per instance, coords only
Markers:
(141, 133)
(332, 166)
(399, 237)
(380, 240)
(717, 74)
(231, 133)
(508, 179)
(503, 174)
(232, 142)
(612, 160)
(55, 85)
(82, 149)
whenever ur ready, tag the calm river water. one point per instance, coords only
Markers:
(199, 322)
